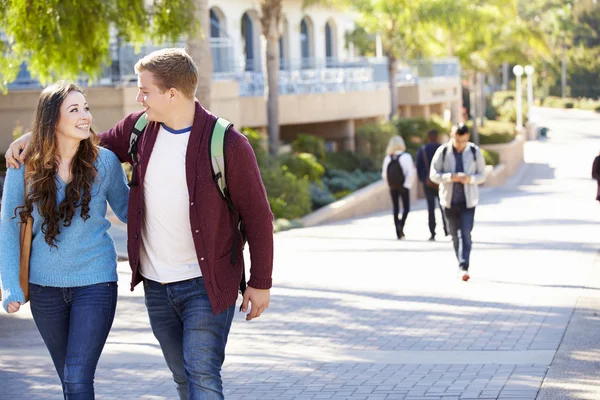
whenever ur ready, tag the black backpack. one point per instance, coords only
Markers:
(395, 174)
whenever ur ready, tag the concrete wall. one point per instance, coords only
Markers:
(375, 197)
(511, 154)
(108, 106)
(368, 200)
(430, 91)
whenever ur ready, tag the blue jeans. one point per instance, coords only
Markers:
(191, 337)
(405, 196)
(460, 222)
(431, 196)
(74, 324)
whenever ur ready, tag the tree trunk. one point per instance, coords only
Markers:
(475, 105)
(199, 48)
(392, 69)
(271, 15)
(482, 103)
(545, 80)
(505, 75)
(563, 80)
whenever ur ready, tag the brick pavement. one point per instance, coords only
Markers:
(409, 331)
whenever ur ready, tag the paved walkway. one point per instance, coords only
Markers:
(356, 314)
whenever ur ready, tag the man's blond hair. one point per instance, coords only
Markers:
(172, 68)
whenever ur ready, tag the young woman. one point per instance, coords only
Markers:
(73, 276)
(399, 171)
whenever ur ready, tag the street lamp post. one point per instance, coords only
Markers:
(518, 71)
(529, 72)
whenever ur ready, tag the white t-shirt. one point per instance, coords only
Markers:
(167, 252)
(407, 165)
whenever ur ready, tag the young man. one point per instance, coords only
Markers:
(180, 230)
(459, 168)
(430, 189)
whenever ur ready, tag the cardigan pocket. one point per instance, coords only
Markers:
(227, 276)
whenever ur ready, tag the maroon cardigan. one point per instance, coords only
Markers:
(210, 218)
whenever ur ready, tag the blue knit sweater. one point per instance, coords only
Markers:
(86, 252)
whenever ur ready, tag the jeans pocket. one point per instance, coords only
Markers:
(35, 289)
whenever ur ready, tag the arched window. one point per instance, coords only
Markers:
(328, 41)
(215, 24)
(330, 44)
(284, 45)
(248, 36)
(305, 44)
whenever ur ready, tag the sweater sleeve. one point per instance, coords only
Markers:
(408, 167)
(436, 173)
(116, 139)
(10, 229)
(596, 169)
(118, 192)
(479, 177)
(249, 196)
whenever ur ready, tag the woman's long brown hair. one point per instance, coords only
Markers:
(42, 167)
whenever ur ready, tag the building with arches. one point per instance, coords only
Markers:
(325, 89)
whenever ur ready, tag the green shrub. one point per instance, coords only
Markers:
(496, 138)
(282, 224)
(372, 140)
(320, 196)
(496, 132)
(343, 193)
(508, 111)
(347, 160)
(414, 130)
(257, 143)
(597, 109)
(491, 111)
(303, 165)
(288, 195)
(569, 104)
(309, 144)
(339, 180)
(491, 157)
(499, 98)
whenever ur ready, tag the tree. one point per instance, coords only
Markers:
(198, 45)
(400, 25)
(67, 38)
(270, 20)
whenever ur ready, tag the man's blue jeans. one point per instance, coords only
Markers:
(74, 324)
(460, 222)
(191, 337)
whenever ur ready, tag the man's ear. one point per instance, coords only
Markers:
(172, 93)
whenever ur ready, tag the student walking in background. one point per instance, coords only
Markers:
(596, 174)
(73, 264)
(459, 168)
(399, 172)
(430, 188)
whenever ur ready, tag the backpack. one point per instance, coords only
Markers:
(216, 152)
(473, 150)
(395, 174)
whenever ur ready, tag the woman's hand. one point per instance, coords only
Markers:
(13, 307)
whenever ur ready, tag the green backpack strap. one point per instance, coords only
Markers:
(217, 153)
(217, 158)
(134, 138)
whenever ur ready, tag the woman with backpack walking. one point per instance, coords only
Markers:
(399, 172)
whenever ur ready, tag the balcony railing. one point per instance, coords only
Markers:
(295, 76)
